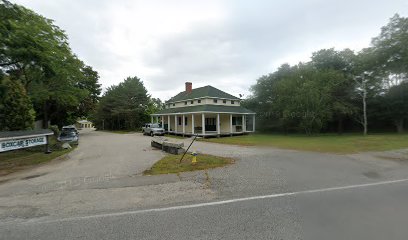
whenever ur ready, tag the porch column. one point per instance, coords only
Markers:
(184, 123)
(253, 123)
(243, 123)
(231, 123)
(218, 124)
(192, 124)
(151, 118)
(168, 123)
(203, 122)
(175, 123)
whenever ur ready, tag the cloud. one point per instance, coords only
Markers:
(227, 44)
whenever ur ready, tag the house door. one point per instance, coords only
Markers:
(210, 124)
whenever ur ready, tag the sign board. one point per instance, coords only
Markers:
(13, 144)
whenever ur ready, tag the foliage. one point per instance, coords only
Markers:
(16, 110)
(35, 52)
(124, 106)
(394, 107)
(300, 97)
(155, 105)
(391, 49)
(337, 87)
(55, 130)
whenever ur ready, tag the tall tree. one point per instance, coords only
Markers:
(342, 62)
(368, 83)
(124, 106)
(396, 102)
(391, 50)
(16, 110)
(306, 97)
(35, 52)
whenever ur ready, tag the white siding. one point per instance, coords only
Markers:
(209, 101)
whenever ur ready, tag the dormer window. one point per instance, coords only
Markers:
(174, 104)
(232, 102)
(199, 101)
(185, 103)
(192, 101)
(224, 101)
(215, 100)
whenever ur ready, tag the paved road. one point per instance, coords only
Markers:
(359, 212)
(264, 195)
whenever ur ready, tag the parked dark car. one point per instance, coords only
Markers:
(69, 137)
(70, 128)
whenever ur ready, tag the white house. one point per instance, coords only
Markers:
(205, 111)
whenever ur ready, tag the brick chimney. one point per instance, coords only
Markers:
(189, 87)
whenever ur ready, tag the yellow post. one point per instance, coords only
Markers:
(194, 161)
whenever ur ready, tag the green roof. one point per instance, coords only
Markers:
(206, 108)
(207, 91)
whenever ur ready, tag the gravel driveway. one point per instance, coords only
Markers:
(104, 174)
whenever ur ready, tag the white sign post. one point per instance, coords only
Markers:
(13, 144)
(24, 139)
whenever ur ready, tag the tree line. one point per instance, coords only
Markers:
(339, 90)
(126, 106)
(42, 79)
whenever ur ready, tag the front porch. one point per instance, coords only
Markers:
(206, 124)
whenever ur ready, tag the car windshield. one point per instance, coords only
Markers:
(67, 134)
(154, 125)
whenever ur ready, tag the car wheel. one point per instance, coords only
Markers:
(151, 134)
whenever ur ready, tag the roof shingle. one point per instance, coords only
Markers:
(207, 91)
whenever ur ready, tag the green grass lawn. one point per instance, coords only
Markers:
(170, 164)
(347, 143)
(13, 161)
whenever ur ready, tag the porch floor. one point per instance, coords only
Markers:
(208, 133)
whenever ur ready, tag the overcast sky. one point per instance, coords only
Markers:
(224, 43)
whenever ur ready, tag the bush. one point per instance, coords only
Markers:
(55, 129)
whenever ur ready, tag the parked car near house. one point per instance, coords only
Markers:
(152, 129)
(70, 128)
(69, 137)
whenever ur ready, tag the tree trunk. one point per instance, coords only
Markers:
(400, 125)
(45, 115)
(340, 126)
(365, 110)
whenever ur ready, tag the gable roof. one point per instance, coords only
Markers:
(205, 108)
(207, 91)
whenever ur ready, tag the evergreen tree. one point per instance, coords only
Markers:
(16, 110)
